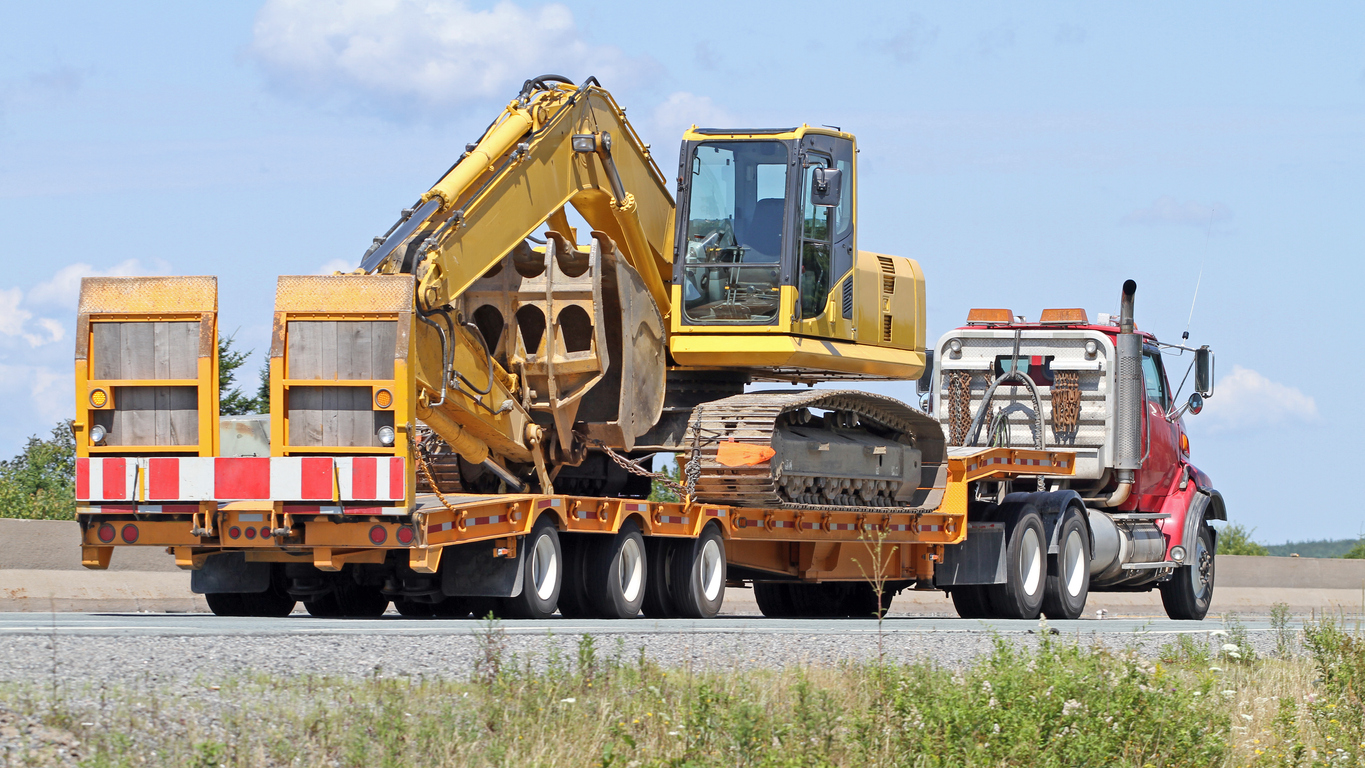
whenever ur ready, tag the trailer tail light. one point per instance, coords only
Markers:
(234, 532)
(265, 531)
(406, 535)
(129, 534)
(378, 535)
(106, 532)
(250, 533)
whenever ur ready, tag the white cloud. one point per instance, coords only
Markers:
(12, 316)
(680, 111)
(416, 55)
(64, 287)
(1244, 399)
(1168, 210)
(52, 391)
(337, 265)
(907, 45)
(49, 331)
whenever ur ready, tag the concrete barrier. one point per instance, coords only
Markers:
(40, 570)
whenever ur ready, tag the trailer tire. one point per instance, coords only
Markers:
(971, 601)
(225, 603)
(1068, 571)
(359, 601)
(860, 601)
(618, 573)
(573, 594)
(324, 606)
(542, 576)
(774, 599)
(1021, 596)
(659, 556)
(413, 609)
(1188, 593)
(697, 576)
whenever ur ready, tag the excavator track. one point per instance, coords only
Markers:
(862, 452)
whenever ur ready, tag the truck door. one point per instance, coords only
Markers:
(1159, 435)
(824, 258)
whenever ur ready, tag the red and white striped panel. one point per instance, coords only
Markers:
(138, 509)
(674, 520)
(293, 478)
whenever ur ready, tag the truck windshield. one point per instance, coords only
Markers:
(732, 265)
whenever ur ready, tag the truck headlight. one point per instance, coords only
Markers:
(386, 436)
(1178, 554)
(1091, 348)
(97, 434)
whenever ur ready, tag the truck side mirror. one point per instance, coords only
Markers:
(1203, 372)
(1196, 403)
(825, 186)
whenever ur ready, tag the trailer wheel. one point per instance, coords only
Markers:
(542, 576)
(273, 603)
(1021, 596)
(617, 573)
(659, 558)
(359, 601)
(573, 594)
(774, 599)
(1068, 571)
(860, 600)
(226, 604)
(697, 577)
(450, 608)
(1190, 590)
(324, 606)
(971, 601)
(413, 609)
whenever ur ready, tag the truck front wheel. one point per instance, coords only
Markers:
(1188, 594)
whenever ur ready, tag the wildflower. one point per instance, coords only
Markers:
(1230, 647)
(1229, 693)
(995, 728)
(569, 700)
(1218, 633)
(1071, 705)
(672, 733)
(1215, 669)
(1245, 716)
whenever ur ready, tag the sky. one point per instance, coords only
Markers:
(1027, 155)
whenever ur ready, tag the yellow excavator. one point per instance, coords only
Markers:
(538, 356)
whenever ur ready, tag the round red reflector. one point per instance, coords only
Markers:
(251, 533)
(106, 532)
(265, 531)
(129, 534)
(406, 535)
(379, 534)
(234, 532)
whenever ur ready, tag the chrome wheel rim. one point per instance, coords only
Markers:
(1202, 573)
(1030, 562)
(712, 570)
(630, 570)
(1072, 567)
(544, 567)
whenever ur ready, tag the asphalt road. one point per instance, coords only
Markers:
(197, 624)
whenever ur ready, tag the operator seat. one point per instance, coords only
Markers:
(764, 233)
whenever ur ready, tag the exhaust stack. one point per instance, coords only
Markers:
(1128, 409)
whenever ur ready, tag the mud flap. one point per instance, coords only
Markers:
(230, 572)
(473, 570)
(978, 560)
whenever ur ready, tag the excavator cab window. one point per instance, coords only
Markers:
(817, 229)
(736, 210)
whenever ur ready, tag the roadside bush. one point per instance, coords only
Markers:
(39, 483)
(1235, 539)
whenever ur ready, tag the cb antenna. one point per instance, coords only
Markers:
(1208, 235)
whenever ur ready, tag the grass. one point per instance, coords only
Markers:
(1204, 701)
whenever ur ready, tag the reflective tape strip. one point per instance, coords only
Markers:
(900, 527)
(673, 520)
(715, 512)
(544, 503)
(582, 514)
(140, 509)
(784, 524)
(842, 526)
(105, 478)
(439, 527)
(335, 509)
(635, 507)
(492, 519)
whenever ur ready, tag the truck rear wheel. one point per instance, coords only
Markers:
(573, 594)
(225, 604)
(412, 609)
(1021, 596)
(659, 557)
(542, 577)
(971, 601)
(774, 599)
(617, 574)
(697, 576)
(1068, 571)
(359, 601)
(1190, 590)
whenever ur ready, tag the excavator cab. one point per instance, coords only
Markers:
(767, 273)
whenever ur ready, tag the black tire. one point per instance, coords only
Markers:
(971, 601)
(359, 601)
(573, 595)
(451, 608)
(774, 599)
(1021, 596)
(659, 554)
(412, 609)
(618, 574)
(273, 603)
(226, 604)
(697, 575)
(542, 573)
(1068, 571)
(1190, 590)
(860, 601)
(324, 606)
(480, 607)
